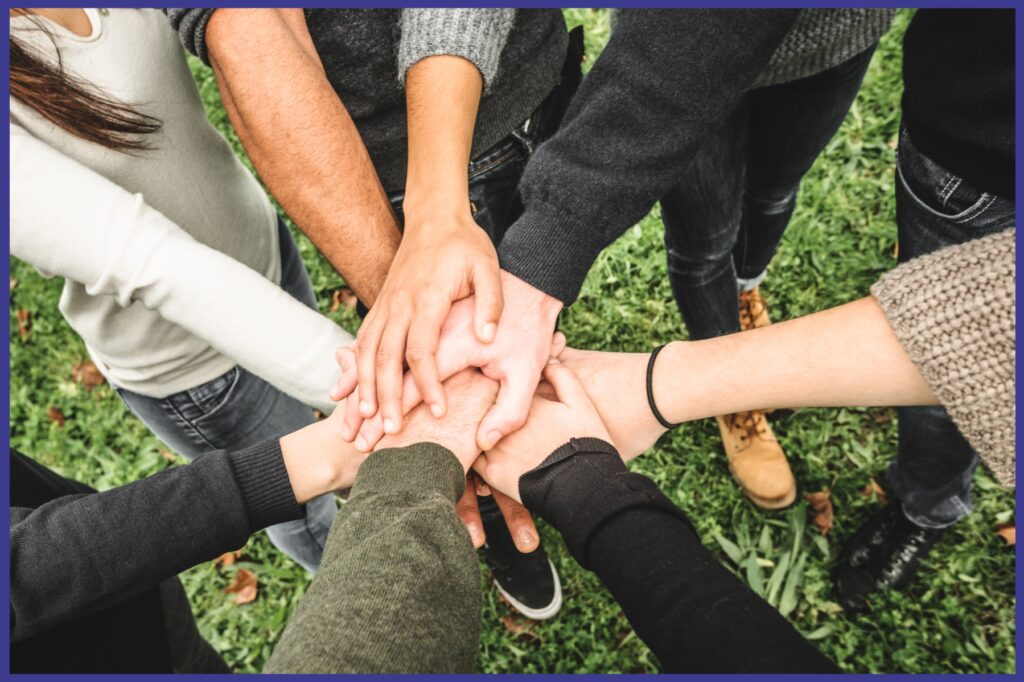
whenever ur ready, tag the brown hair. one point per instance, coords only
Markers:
(73, 104)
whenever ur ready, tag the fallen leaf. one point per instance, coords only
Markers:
(821, 509)
(343, 297)
(872, 488)
(56, 416)
(23, 323)
(1008, 533)
(227, 558)
(517, 626)
(14, 283)
(168, 455)
(243, 586)
(87, 374)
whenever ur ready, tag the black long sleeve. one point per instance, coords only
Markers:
(665, 80)
(85, 551)
(694, 614)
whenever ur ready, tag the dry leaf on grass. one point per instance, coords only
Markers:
(23, 323)
(243, 586)
(56, 416)
(227, 558)
(517, 626)
(821, 510)
(872, 488)
(1008, 533)
(87, 374)
(343, 297)
(168, 455)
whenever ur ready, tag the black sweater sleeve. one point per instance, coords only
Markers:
(80, 552)
(694, 614)
(666, 78)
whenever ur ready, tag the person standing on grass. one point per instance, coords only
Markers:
(368, 126)
(179, 276)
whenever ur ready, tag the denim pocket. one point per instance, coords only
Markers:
(935, 189)
(212, 396)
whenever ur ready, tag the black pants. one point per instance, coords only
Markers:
(726, 215)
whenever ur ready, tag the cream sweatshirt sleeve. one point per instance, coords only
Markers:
(70, 221)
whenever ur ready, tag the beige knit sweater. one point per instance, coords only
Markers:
(954, 312)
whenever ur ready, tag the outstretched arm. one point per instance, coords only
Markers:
(299, 135)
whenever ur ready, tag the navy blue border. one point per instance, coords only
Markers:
(5, 370)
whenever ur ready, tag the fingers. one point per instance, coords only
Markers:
(424, 334)
(390, 359)
(519, 521)
(370, 432)
(469, 512)
(367, 342)
(567, 387)
(346, 383)
(353, 420)
(509, 412)
(489, 302)
(558, 344)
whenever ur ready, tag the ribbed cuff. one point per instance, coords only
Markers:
(266, 489)
(191, 27)
(581, 485)
(476, 34)
(551, 250)
(422, 468)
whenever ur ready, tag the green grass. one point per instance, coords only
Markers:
(957, 617)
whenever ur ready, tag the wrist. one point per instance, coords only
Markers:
(436, 202)
(319, 461)
(530, 297)
(671, 394)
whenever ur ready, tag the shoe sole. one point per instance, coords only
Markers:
(764, 502)
(536, 614)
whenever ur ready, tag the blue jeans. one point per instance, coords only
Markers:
(238, 409)
(931, 475)
(725, 216)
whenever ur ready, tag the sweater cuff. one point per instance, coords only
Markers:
(263, 481)
(583, 484)
(422, 468)
(551, 250)
(476, 34)
(191, 27)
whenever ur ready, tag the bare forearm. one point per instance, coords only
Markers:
(845, 356)
(302, 140)
(443, 95)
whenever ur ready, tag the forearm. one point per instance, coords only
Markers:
(80, 553)
(302, 140)
(845, 356)
(398, 587)
(442, 94)
(693, 613)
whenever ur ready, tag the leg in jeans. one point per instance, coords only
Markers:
(239, 409)
(739, 193)
(931, 475)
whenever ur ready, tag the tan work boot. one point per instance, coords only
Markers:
(756, 459)
(753, 313)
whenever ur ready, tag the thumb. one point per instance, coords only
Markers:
(509, 412)
(567, 387)
(488, 302)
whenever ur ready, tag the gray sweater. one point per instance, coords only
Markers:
(366, 53)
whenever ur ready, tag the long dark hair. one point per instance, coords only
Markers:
(74, 105)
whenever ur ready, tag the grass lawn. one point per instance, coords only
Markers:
(957, 617)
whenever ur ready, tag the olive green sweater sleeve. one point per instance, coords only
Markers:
(399, 587)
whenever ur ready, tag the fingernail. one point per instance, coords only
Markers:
(389, 426)
(437, 410)
(364, 408)
(527, 539)
(488, 331)
(361, 443)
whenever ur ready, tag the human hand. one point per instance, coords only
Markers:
(517, 517)
(617, 386)
(438, 262)
(318, 460)
(551, 424)
(515, 358)
(470, 395)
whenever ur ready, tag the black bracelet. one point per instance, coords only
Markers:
(650, 390)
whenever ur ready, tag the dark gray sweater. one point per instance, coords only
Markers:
(366, 52)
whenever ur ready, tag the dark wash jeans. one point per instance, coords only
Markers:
(931, 475)
(494, 177)
(727, 213)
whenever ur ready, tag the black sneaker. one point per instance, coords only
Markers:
(529, 582)
(883, 554)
